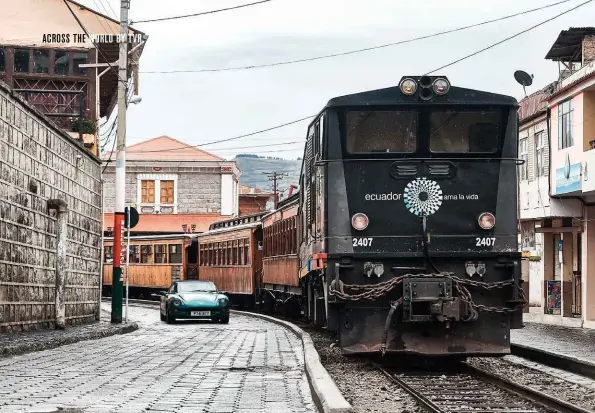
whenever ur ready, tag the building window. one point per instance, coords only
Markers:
(175, 254)
(21, 60)
(41, 61)
(160, 254)
(539, 154)
(565, 125)
(167, 192)
(61, 63)
(2, 61)
(78, 59)
(523, 155)
(148, 192)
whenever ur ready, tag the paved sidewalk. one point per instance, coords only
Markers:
(575, 343)
(24, 342)
(249, 365)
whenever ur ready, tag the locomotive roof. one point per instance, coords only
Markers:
(394, 96)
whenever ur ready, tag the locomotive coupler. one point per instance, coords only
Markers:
(428, 299)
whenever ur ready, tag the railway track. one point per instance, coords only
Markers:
(461, 389)
(468, 389)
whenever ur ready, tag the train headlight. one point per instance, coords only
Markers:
(360, 221)
(486, 220)
(441, 86)
(408, 87)
(379, 269)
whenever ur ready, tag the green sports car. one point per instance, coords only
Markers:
(194, 299)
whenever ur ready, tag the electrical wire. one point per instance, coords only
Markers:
(202, 13)
(509, 38)
(92, 41)
(243, 147)
(366, 49)
(231, 139)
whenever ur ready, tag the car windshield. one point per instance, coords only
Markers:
(186, 287)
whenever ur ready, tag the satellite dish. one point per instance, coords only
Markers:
(524, 79)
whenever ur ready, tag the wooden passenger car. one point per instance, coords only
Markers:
(230, 255)
(155, 261)
(280, 262)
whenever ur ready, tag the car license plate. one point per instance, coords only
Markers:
(200, 313)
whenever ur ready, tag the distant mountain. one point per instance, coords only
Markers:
(254, 167)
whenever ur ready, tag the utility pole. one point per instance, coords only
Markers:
(275, 176)
(117, 285)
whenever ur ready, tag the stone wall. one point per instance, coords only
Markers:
(199, 188)
(39, 162)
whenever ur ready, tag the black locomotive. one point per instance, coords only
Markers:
(408, 220)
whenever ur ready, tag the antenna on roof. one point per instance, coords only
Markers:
(524, 79)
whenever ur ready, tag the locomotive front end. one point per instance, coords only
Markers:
(420, 220)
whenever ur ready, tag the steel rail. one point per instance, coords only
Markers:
(536, 397)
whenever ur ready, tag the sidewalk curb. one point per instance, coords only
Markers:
(326, 394)
(54, 342)
(549, 358)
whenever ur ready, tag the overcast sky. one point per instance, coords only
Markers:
(202, 107)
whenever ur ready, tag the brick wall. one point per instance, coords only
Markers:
(39, 162)
(199, 188)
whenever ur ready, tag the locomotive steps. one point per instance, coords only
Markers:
(325, 392)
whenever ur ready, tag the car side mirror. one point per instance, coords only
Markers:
(223, 292)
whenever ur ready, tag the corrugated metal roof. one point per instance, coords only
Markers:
(568, 45)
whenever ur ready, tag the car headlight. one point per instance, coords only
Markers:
(177, 302)
(223, 302)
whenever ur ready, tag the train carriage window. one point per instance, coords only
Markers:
(455, 131)
(108, 255)
(246, 252)
(146, 252)
(175, 254)
(160, 254)
(381, 131)
(134, 256)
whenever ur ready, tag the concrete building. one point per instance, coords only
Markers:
(42, 48)
(568, 233)
(175, 187)
(39, 247)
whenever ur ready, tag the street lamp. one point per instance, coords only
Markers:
(135, 100)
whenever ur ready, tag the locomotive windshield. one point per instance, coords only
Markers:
(453, 131)
(450, 130)
(381, 131)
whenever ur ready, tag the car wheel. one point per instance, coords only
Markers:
(161, 316)
(169, 318)
(224, 320)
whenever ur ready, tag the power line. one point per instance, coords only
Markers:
(366, 49)
(202, 13)
(509, 38)
(231, 139)
(243, 147)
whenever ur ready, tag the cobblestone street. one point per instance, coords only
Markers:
(249, 365)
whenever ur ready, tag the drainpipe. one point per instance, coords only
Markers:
(61, 208)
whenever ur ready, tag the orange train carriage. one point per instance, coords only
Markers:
(155, 261)
(252, 258)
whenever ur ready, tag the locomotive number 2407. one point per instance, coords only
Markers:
(362, 242)
(485, 242)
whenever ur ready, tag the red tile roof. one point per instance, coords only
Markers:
(166, 148)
